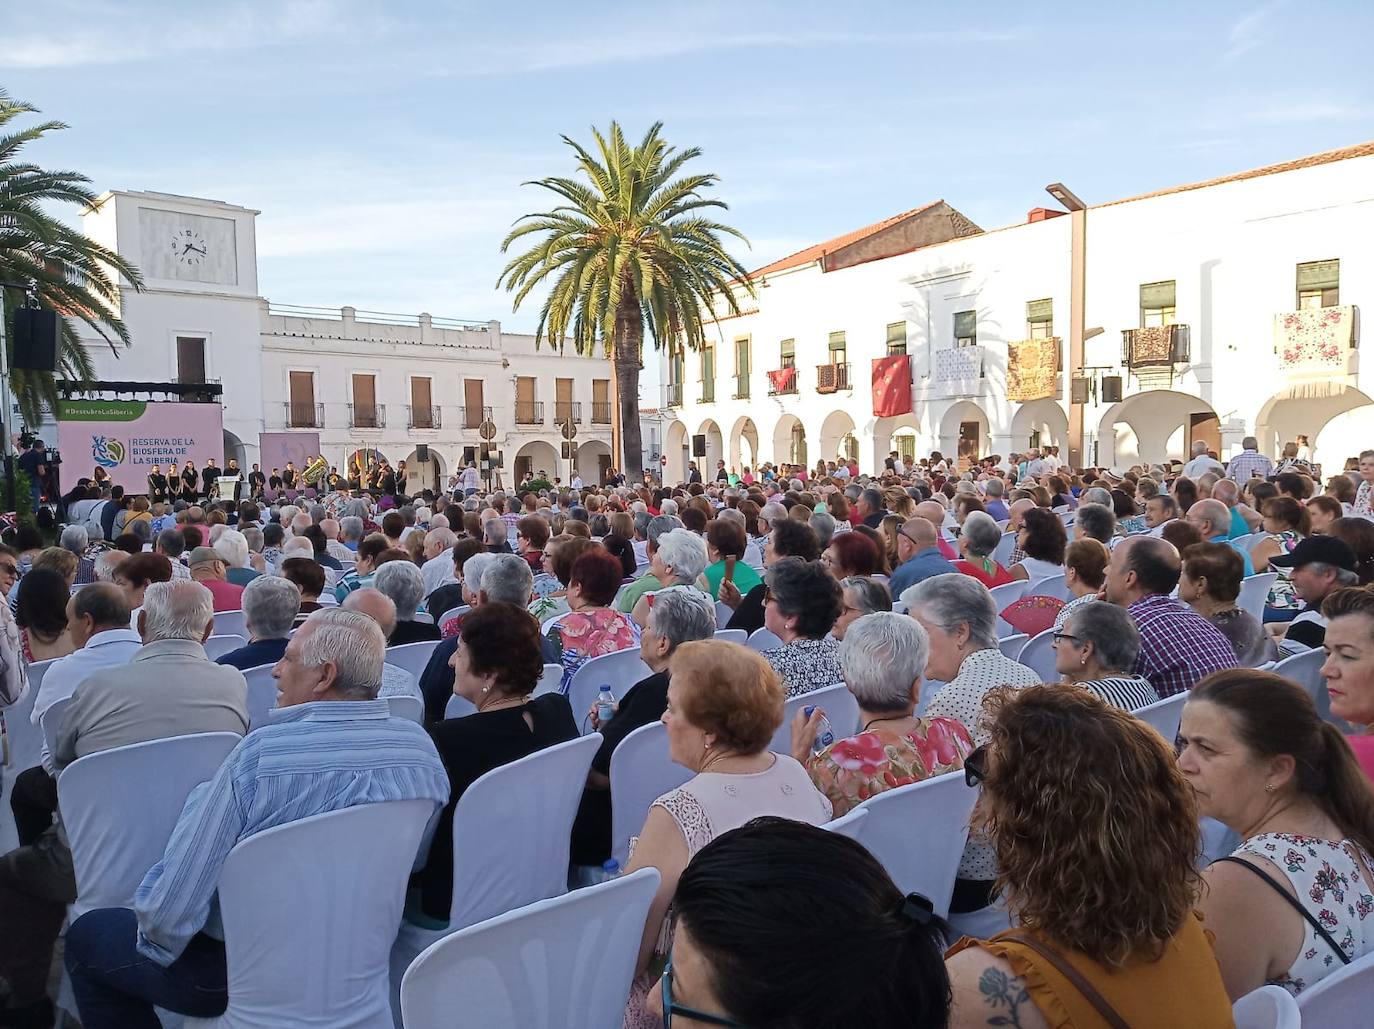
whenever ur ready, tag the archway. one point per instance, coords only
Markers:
(235, 450)
(901, 433)
(964, 431)
(1308, 408)
(539, 459)
(425, 475)
(1039, 423)
(744, 445)
(593, 462)
(715, 448)
(789, 441)
(1156, 426)
(676, 449)
(837, 437)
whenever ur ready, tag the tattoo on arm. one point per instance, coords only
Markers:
(1002, 991)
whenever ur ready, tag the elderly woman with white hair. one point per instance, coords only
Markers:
(862, 595)
(232, 548)
(403, 583)
(270, 606)
(978, 541)
(76, 539)
(883, 657)
(679, 559)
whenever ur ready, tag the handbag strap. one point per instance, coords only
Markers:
(1293, 902)
(1076, 978)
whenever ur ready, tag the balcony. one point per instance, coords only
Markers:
(831, 378)
(1158, 346)
(674, 390)
(473, 417)
(601, 412)
(565, 409)
(367, 416)
(708, 391)
(782, 382)
(425, 417)
(742, 386)
(304, 416)
(529, 412)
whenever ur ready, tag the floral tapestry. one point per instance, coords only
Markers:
(1317, 339)
(1031, 368)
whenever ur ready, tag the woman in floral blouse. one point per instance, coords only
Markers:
(591, 628)
(882, 657)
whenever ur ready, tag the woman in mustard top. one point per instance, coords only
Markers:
(1096, 832)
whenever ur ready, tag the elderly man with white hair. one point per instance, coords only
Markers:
(438, 568)
(330, 527)
(403, 583)
(270, 606)
(372, 602)
(330, 746)
(232, 547)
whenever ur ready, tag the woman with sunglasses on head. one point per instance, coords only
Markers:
(1095, 831)
(770, 916)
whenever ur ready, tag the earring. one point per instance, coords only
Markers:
(486, 689)
(1269, 787)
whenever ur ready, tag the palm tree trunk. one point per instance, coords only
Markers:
(629, 341)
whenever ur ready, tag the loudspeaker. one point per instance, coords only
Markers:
(1078, 390)
(698, 446)
(496, 459)
(422, 453)
(36, 336)
(1111, 389)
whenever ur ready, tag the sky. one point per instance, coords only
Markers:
(386, 144)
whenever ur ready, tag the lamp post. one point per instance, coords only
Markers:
(1078, 252)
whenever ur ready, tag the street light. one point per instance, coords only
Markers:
(1078, 255)
(1065, 196)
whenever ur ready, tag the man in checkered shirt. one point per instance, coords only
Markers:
(1249, 463)
(1178, 646)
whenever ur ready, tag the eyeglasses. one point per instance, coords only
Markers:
(768, 595)
(671, 1008)
(976, 766)
(9, 569)
(1064, 636)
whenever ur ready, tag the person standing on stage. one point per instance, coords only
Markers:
(288, 476)
(157, 485)
(276, 482)
(190, 482)
(209, 477)
(256, 482)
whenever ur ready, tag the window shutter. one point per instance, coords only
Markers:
(1317, 275)
(896, 333)
(1155, 296)
(787, 348)
(1040, 311)
(837, 341)
(965, 324)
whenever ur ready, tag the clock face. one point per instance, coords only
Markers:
(188, 248)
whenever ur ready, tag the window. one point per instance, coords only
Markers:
(837, 348)
(1319, 284)
(365, 401)
(302, 406)
(1157, 304)
(675, 368)
(190, 359)
(708, 375)
(421, 402)
(965, 328)
(601, 401)
(472, 403)
(562, 400)
(787, 353)
(896, 338)
(1040, 319)
(742, 356)
(526, 409)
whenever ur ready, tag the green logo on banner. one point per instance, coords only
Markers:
(100, 410)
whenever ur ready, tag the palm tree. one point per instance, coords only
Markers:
(52, 263)
(629, 248)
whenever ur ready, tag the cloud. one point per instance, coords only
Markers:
(1248, 31)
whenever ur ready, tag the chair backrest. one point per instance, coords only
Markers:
(851, 825)
(641, 772)
(1008, 593)
(763, 639)
(918, 833)
(550, 680)
(1165, 715)
(412, 708)
(262, 694)
(619, 671)
(1342, 998)
(929, 688)
(230, 623)
(733, 636)
(724, 612)
(1010, 646)
(1305, 669)
(1254, 592)
(218, 646)
(458, 707)
(411, 656)
(1050, 586)
(507, 854)
(562, 963)
(120, 806)
(51, 722)
(1038, 655)
(453, 612)
(898, 607)
(1002, 553)
(1269, 1007)
(310, 911)
(25, 738)
(836, 701)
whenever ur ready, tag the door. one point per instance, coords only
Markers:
(601, 401)
(190, 360)
(563, 400)
(472, 403)
(1205, 427)
(302, 405)
(421, 403)
(524, 400)
(969, 444)
(365, 401)
(603, 462)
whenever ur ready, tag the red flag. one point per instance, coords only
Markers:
(891, 386)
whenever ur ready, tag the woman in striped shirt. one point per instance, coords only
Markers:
(1097, 650)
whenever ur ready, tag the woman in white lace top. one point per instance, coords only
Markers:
(724, 704)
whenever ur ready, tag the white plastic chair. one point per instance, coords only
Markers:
(550, 680)
(1254, 591)
(566, 962)
(460, 707)
(453, 612)
(310, 909)
(120, 806)
(1008, 593)
(1269, 1007)
(1342, 998)
(1165, 715)
(1002, 554)
(51, 723)
(851, 825)
(1010, 646)
(218, 646)
(929, 688)
(1050, 586)
(412, 708)
(724, 612)
(733, 636)
(1038, 655)
(262, 694)
(26, 739)
(619, 671)
(230, 623)
(762, 639)
(411, 656)
(1305, 669)
(918, 833)
(512, 830)
(839, 705)
(641, 772)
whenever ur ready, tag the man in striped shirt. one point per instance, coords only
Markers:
(331, 745)
(1249, 463)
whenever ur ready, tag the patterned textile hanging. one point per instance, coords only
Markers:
(1316, 339)
(1031, 368)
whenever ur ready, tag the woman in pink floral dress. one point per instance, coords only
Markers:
(592, 628)
(882, 657)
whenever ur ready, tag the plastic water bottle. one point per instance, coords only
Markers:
(610, 869)
(605, 704)
(825, 735)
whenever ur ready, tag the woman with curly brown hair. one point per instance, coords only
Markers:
(1096, 832)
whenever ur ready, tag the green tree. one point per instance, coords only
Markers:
(66, 271)
(630, 248)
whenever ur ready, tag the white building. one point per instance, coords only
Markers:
(1219, 309)
(362, 380)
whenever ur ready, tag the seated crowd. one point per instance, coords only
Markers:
(1082, 891)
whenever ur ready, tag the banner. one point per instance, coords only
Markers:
(276, 448)
(891, 386)
(1032, 368)
(128, 437)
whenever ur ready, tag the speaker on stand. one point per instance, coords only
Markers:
(698, 446)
